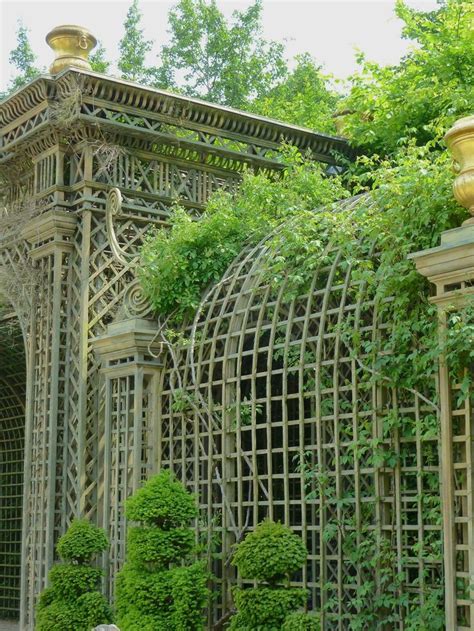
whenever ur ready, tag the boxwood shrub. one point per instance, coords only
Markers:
(73, 602)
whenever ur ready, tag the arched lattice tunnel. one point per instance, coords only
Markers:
(268, 412)
(12, 434)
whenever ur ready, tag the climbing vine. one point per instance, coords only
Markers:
(389, 209)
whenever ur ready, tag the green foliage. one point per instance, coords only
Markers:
(270, 553)
(73, 602)
(24, 61)
(429, 616)
(177, 265)
(81, 542)
(134, 47)
(421, 96)
(163, 502)
(301, 622)
(98, 60)
(83, 614)
(155, 546)
(155, 591)
(70, 581)
(265, 608)
(228, 63)
(302, 97)
(172, 598)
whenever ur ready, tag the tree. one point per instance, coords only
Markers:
(23, 59)
(421, 96)
(268, 555)
(73, 602)
(302, 98)
(134, 47)
(98, 60)
(227, 63)
(155, 591)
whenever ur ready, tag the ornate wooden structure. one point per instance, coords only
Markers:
(93, 398)
(65, 142)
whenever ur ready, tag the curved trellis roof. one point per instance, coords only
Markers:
(269, 399)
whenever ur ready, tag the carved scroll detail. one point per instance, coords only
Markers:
(113, 210)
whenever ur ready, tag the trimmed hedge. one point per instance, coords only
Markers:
(155, 591)
(301, 622)
(268, 555)
(73, 602)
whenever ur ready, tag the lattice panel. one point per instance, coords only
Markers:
(148, 174)
(463, 461)
(12, 440)
(275, 418)
(128, 437)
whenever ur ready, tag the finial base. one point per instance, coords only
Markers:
(72, 45)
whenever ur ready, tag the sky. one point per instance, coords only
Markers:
(331, 30)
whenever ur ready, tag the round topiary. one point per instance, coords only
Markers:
(191, 594)
(91, 610)
(83, 614)
(301, 622)
(81, 542)
(154, 590)
(163, 502)
(146, 591)
(136, 620)
(71, 581)
(72, 602)
(265, 608)
(58, 615)
(270, 553)
(151, 545)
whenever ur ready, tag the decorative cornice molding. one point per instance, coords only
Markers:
(195, 113)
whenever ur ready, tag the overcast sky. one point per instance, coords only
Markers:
(331, 30)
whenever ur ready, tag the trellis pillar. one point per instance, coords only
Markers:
(128, 433)
(50, 237)
(450, 267)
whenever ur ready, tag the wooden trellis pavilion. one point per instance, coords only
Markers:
(89, 163)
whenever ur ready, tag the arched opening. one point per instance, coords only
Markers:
(12, 439)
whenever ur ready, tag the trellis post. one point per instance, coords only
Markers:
(130, 365)
(49, 236)
(450, 267)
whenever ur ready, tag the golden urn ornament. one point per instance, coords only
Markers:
(72, 45)
(460, 141)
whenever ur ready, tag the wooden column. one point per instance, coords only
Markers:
(450, 267)
(50, 236)
(131, 369)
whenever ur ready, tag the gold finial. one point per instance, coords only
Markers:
(72, 45)
(460, 141)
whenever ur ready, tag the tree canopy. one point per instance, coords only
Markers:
(134, 47)
(420, 97)
(304, 96)
(225, 62)
(23, 59)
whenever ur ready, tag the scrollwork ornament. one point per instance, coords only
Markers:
(135, 303)
(114, 202)
(113, 210)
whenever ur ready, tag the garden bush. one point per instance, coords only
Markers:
(73, 602)
(268, 555)
(155, 591)
(301, 622)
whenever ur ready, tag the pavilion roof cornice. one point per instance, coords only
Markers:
(188, 112)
